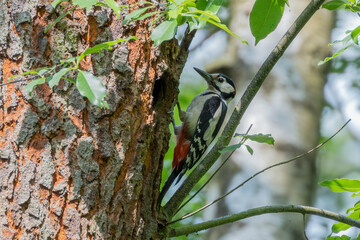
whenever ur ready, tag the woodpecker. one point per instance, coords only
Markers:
(201, 123)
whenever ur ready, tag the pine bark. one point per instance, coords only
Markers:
(68, 169)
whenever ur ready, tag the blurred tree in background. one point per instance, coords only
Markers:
(291, 106)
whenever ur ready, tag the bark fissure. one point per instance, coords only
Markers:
(94, 173)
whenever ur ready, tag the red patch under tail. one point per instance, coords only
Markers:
(182, 147)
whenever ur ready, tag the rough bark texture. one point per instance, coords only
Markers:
(288, 106)
(70, 170)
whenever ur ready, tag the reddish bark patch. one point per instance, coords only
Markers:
(36, 147)
(17, 232)
(11, 116)
(62, 234)
(44, 91)
(40, 23)
(92, 30)
(77, 121)
(7, 233)
(43, 194)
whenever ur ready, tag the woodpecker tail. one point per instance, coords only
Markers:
(180, 151)
(174, 174)
(168, 184)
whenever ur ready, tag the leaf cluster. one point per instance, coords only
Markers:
(352, 36)
(259, 138)
(178, 12)
(87, 83)
(265, 16)
(344, 185)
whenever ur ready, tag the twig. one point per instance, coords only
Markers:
(242, 141)
(183, 191)
(259, 172)
(263, 210)
(208, 35)
(304, 222)
(20, 80)
(51, 69)
(160, 4)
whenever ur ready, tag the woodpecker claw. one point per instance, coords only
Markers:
(182, 114)
(176, 128)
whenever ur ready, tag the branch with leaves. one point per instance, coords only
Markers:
(260, 211)
(175, 201)
(89, 85)
(352, 36)
(260, 172)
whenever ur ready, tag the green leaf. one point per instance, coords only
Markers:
(230, 148)
(114, 6)
(207, 13)
(250, 150)
(219, 25)
(165, 31)
(58, 19)
(42, 71)
(355, 194)
(337, 53)
(355, 35)
(188, 3)
(205, 5)
(91, 87)
(22, 74)
(332, 5)
(99, 47)
(342, 185)
(73, 81)
(134, 15)
(260, 138)
(173, 13)
(344, 41)
(210, 5)
(146, 15)
(264, 17)
(343, 237)
(85, 3)
(56, 2)
(54, 80)
(155, 19)
(30, 86)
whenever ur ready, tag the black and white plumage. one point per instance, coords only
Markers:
(201, 123)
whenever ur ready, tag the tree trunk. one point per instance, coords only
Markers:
(288, 106)
(70, 170)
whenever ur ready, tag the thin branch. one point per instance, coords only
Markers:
(52, 68)
(259, 172)
(263, 210)
(304, 226)
(175, 201)
(208, 35)
(160, 4)
(242, 141)
(20, 80)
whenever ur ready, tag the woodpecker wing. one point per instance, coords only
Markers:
(208, 125)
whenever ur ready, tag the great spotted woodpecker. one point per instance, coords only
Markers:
(201, 123)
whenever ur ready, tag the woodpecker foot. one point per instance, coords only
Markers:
(182, 114)
(176, 128)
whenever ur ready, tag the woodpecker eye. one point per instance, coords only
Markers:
(221, 79)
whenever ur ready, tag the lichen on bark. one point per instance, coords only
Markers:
(70, 170)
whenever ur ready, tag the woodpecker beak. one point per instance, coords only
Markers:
(208, 77)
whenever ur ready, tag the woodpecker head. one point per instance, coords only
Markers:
(219, 83)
